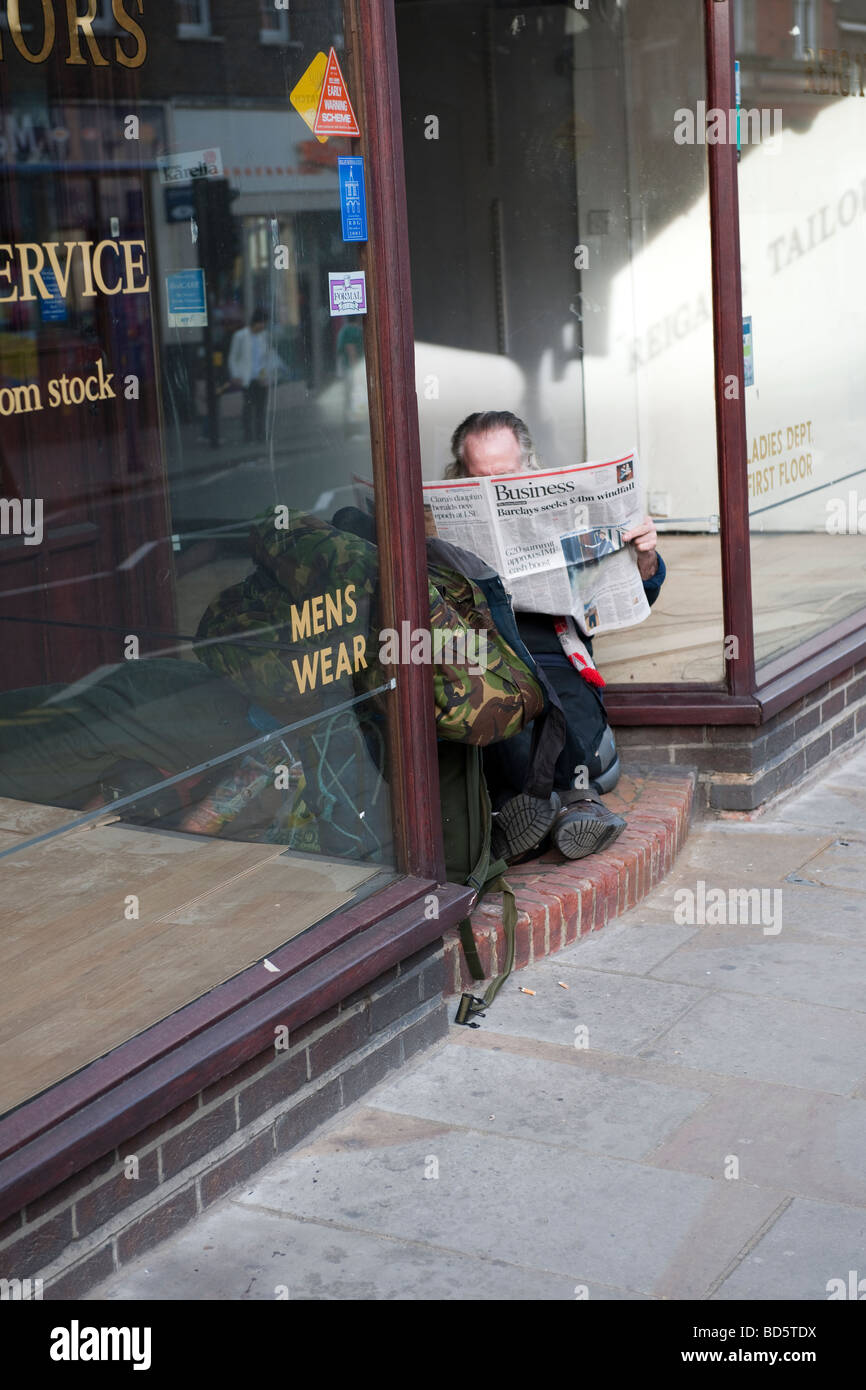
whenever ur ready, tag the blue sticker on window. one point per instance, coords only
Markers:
(353, 197)
(748, 353)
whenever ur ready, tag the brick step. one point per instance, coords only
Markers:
(559, 900)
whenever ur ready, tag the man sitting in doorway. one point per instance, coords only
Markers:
(496, 442)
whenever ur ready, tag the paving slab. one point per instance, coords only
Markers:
(820, 913)
(621, 1013)
(831, 973)
(747, 853)
(770, 1040)
(841, 866)
(629, 947)
(600, 1219)
(238, 1254)
(809, 1245)
(533, 1098)
(800, 1142)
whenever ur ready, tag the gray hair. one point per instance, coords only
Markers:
(485, 422)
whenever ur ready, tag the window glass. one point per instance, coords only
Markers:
(560, 246)
(193, 722)
(802, 219)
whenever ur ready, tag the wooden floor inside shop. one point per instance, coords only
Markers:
(82, 973)
(801, 584)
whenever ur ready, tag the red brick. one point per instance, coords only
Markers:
(38, 1246)
(190, 1144)
(624, 864)
(112, 1197)
(832, 705)
(539, 933)
(606, 881)
(555, 923)
(571, 905)
(425, 1032)
(638, 849)
(235, 1169)
(298, 1121)
(523, 941)
(453, 954)
(156, 1225)
(534, 903)
(343, 1038)
(370, 1070)
(432, 977)
(76, 1282)
(667, 816)
(286, 1075)
(400, 999)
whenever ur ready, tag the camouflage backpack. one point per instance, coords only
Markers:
(272, 633)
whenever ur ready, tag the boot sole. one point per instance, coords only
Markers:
(525, 820)
(577, 839)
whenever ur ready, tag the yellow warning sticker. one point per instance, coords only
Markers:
(305, 95)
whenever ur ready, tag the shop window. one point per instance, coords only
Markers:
(193, 19)
(804, 29)
(561, 267)
(744, 26)
(802, 220)
(273, 22)
(104, 18)
(193, 721)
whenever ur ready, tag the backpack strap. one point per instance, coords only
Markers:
(485, 875)
(470, 1004)
(549, 729)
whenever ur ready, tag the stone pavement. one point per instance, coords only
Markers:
(686, 1120)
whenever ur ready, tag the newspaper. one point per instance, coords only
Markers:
(554, 536)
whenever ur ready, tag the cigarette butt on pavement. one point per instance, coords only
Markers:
(562, 984)
(526, 991)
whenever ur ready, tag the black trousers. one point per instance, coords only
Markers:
(507, 764)
(253, 415)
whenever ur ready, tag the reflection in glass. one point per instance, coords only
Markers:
(560, 250)
(192, 717)
(802, 216)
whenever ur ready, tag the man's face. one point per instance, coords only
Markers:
(492, 454)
